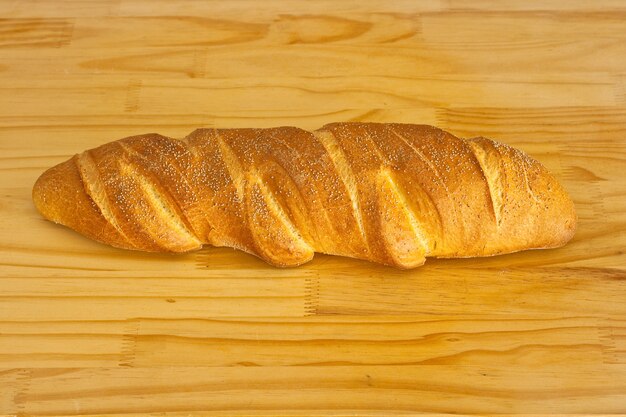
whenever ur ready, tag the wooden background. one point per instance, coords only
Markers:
(88, 329)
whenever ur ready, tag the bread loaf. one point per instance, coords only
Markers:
(387, 193)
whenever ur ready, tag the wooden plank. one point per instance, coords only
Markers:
(560, 6)
(356, 341)
(64, 344)
(121, 308)
(344, 389)
(312, 341)
(439, 287)
(413, 60)
(92, 306)
(396, 31)
(48, 8)
(601, 126)
(51, 9)
(333, 94)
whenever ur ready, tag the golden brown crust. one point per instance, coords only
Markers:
(388, 193)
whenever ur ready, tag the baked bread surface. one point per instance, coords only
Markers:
(384, 192)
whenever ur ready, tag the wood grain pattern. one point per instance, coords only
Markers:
(90, 330)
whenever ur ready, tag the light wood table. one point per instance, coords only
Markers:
(88, 329)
